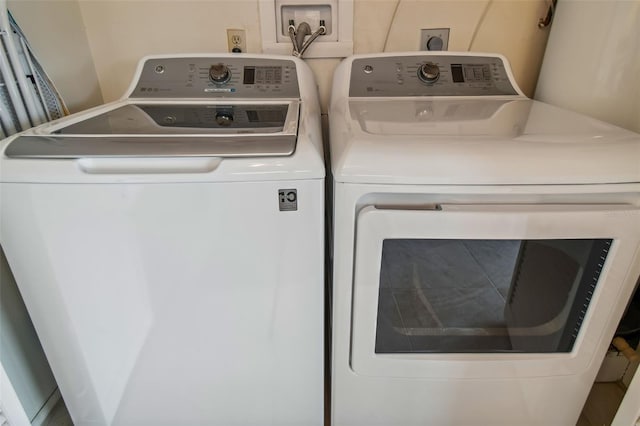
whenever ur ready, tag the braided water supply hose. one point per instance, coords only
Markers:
(298, 35)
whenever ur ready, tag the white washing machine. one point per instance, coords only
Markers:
(485, 245)
(169, 246)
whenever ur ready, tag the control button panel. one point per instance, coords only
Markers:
(217, 78)
(429, 75)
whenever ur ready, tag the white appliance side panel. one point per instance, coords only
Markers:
(175, 304)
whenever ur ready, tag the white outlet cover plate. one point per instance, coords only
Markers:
(240, 43)
(338, 44)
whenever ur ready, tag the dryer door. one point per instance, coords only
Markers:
(490, 290)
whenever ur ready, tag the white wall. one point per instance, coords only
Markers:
(90, 48)
(120, 32)
(56, 33)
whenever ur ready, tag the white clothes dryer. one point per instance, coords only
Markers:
(485, 245)
(169, 245)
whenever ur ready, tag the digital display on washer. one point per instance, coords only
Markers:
(262, 75)
(470, 73)
(249, 75)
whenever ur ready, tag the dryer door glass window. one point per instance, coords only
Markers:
(485, 296)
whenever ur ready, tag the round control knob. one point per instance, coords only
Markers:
(429, 72)
(219, 73)
(224, 119)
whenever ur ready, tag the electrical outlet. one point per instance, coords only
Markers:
(236, 40)
(434, 39)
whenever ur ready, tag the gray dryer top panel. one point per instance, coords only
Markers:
(429, 75)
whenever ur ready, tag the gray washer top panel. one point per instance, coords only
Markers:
(397, 76)
(189, 78)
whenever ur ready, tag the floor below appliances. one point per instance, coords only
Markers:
(169, 246)
(485, 245)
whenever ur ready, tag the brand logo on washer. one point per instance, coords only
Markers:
(288, 199)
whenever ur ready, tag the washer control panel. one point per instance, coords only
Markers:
(429, 75)
(203, 77)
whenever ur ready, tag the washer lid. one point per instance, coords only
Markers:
(477, 141)
(156, 129)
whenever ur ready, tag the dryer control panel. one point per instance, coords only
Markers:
(429, 75)
(202, 77)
